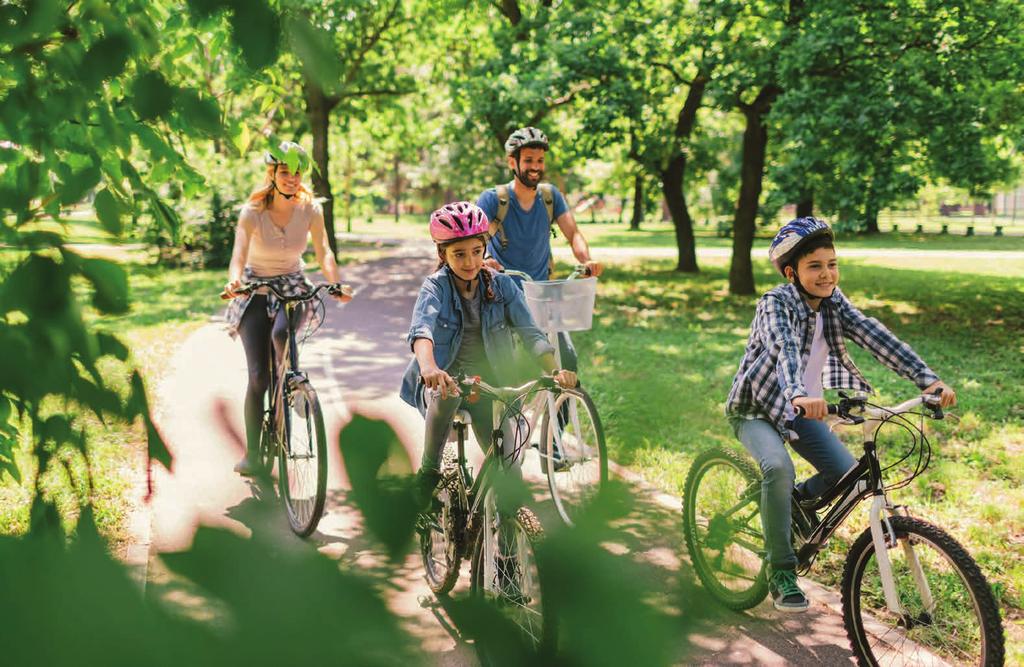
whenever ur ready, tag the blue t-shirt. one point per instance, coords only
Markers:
(528, 232)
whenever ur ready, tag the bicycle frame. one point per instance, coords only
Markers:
(861, 481)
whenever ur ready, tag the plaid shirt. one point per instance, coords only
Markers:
(771, 373)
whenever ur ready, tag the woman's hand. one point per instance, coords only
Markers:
(565, 379)
(344, 295)
(231, 286)
(439, 380)
(814, 408)
(947, 397)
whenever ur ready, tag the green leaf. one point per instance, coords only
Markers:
(108, 279)
(105, 59)
(111, 345)
(202, 113)
(138, 404)
(242, 138)
(109, 211)
(256, 29)
(316, 52)
(152, 96)
(78, 184)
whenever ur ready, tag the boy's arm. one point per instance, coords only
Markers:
(773, 323)
(874, 337)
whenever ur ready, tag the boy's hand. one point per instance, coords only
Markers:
(814, 408)
(565, 379)
(947, 397)
(439, 380)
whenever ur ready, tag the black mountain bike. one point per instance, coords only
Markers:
(293, 429)
(911, 594)
(465, 519)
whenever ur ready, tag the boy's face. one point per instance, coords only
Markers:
(818, 272)
(465, 257)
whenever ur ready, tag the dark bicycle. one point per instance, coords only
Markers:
(911, 594)
(464, 519)
(293, 429)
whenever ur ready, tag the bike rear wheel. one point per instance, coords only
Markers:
(573, 456)
(302, 459)
(503, 570)
(722, 527)
(961, 623)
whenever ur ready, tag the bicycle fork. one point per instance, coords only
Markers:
(884, 537)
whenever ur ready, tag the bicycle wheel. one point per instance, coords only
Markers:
(503, 570)
(302, 459)
(439, 529)
(959, 625)
(722, 527)
(573, 456)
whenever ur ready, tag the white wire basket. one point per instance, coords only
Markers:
(561, 305)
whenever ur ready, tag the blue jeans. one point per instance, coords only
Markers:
(817, 445)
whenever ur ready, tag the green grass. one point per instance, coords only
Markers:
(664, 347)
(166, 306)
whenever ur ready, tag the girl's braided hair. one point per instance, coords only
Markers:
(485, 275)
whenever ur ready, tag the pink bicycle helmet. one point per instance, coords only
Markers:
(458, 220)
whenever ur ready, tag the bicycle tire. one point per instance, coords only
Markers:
(536, 623)
(294, 463)
(719, 529)
(990, 640)
(582, 479)
(441, 520)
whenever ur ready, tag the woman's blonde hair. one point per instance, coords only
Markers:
(263, 197)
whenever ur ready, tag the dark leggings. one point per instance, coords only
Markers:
(255, 330)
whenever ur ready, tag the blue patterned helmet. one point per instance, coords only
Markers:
(793, 235)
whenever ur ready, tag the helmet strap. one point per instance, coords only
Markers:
(278, 190)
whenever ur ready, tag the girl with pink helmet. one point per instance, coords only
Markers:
(463, 322)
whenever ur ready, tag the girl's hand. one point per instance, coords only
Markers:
(230, 286)
(814, 408)
(947, 397)
(439, 380)
(565, 379)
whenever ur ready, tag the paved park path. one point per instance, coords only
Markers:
(355, 362)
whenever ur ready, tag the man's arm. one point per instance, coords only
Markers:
(580, 248)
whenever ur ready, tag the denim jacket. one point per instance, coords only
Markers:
(771, 373)
(437, 317)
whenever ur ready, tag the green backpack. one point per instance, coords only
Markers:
(547, 194)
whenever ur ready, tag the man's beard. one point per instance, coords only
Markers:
(524, 176)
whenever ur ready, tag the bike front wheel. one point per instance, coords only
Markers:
(302, 459)
(722, 527)
(573, 453)
(440, 530)
(949, 613)
(503, 571)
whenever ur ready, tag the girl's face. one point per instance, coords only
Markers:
(818, 272)
(287, 182)
(465, 257)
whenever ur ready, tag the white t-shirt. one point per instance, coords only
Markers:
(816, 360)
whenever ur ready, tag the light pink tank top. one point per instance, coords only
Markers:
(274, 250)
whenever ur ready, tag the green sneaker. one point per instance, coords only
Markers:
(786, 595)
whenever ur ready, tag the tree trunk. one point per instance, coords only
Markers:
(755, 143)
(672, 187)
(398, 189)
(871, 211)
(638, 202)
(805, 207)
(318, 110)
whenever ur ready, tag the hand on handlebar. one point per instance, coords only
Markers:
(593, 268)
(493, 264)
(342, 293)
(230, 289)
(947, 397)
(810, 408)
(439, 380)
(565, 379)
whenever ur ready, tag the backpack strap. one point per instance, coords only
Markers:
(547, 195)
(499, 217)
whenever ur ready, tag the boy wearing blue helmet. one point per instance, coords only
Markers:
(796, 350)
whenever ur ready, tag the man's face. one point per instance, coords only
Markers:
(530, 168)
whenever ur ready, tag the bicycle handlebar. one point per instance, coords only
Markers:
(334, 289)
(852, 409)
(577, 271)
